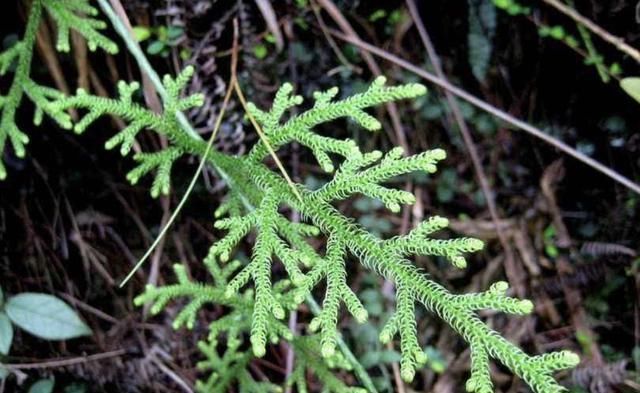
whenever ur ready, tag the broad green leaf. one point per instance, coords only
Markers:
(632, 86)
(42, 386)
(45, 316)
(6, 334)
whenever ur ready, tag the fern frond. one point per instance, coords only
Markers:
(299, 128)
(403, 323)
(162, 161)
(229, 368)
(308, 359)
(417, 243)
(231, 206)
(198, 294)
(387, 257)
(458, 312)
(22, 53)
(42, 97)
(351, 180)
(337, 292)
(67, 14)
(139, 118)
(78, 15)
(10, 55)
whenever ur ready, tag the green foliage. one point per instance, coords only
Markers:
(45, 316)
(255, 204)
(139, 118)
(67, 15)
(631, 86)
(42, 386)
(308, 359)
(584, 46)
(72, 14)
(163, 38)
(42, 315)
(231, 365)
(482, 28)
(512, 7)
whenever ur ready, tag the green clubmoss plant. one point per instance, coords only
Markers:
(258, 296)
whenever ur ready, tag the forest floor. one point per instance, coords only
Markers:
(563, 234)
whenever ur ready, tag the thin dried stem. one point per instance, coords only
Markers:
(595, 29)
(511, 269)
(485, 106)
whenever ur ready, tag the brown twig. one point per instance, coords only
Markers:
(65, 362)
(485, 106)
(331, 41)
(595, 29)
(345, 26)
(269, 15)
(513, 273)
(170, 373)
(150, 96)
(80, 57)
(552, 175)
(88, 308)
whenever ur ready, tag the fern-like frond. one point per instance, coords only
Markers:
(22, 54)
(139, 118)
(300, 128)
(229, 368)
(337, 292)
(417, 243)
(359, 175)
(197, 293)
(67, 15)
(308, 359)
(78, 15)
(225, 363)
